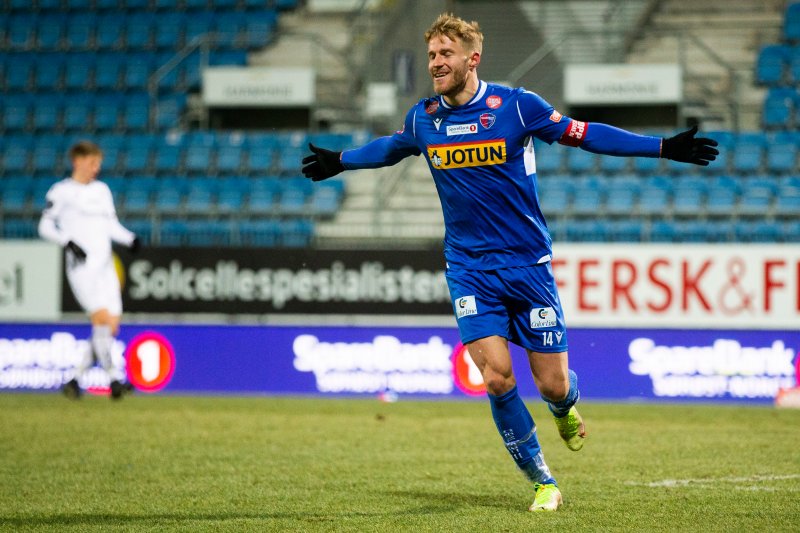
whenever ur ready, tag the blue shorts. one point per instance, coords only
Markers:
(520, 304)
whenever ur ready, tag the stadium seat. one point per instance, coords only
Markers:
(169, 30)
(22, 32)
(47, 160)
(782, 156)
(110, 33)
(16, 109)
(19, 72)
(173, 233)
(580, 161)
(80, 32)
(108, 70)
(586, 231)
(137, 71)
(779, 106)
(296, 233)
(794, 65)
(106, 111)
(548, 158)
(169, 159)
(208, 233)
(230, 200)
(756, 197)
(787, 202)
(229, 159)
(139, 31)
(771, 64)
(198, 25)
(14, 201)
(748, 155)
(647, 165)
(50, 32)
(259, 29)
(49, 72)
(324, 202)
(20, 228)
(259, 233)
(662, 231)
(229, 29)
(136, 113)
(79, 72)
(791, 26)
(142, 227)
(47, 113)
(167, 200)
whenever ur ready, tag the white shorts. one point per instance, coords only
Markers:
(96, 288)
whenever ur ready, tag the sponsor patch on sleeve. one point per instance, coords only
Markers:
(574, 134)
(543, 317)
(556, 116)
(465, 306)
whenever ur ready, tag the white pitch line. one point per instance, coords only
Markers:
(712, 481)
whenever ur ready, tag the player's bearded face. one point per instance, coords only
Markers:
(448, 64)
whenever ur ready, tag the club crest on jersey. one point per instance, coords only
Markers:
(487, 120)
(494, 101)
(432, 107)
(467, 154)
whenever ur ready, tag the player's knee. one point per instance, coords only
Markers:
(555, 391)
(498, 384)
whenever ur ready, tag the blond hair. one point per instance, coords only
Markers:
(449, 25)
(83, 149)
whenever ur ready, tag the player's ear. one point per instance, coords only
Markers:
(474, 60)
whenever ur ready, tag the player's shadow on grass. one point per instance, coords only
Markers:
(447, 501)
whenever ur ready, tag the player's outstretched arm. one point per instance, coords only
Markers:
(322, 164)
(687, 148)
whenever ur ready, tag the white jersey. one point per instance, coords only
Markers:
(85, 214)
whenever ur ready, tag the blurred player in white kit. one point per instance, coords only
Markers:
(79, 216)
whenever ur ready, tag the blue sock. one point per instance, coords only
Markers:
(561, 408)
(515, 424)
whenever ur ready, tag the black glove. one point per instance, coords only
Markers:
(684, 147)
(77, 251)
(135, 245)
(322, 164)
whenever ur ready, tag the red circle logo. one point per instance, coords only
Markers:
(150, 362)
(494, 101)
(466, 375)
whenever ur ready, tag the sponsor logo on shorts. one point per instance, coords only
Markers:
(487, 120)
(543, 317)
(462, 129)
(465, 306)
(467, 154)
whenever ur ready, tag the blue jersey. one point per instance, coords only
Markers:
(482, 159)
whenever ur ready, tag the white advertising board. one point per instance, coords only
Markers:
(682, 286)
(30, 281)
(258, 86)
(622, 84)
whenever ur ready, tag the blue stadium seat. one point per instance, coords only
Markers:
(259, 29)
(622, 196)
(779, 106)
(47, 160)
(169, 30)
(50, 32)
(79, 71)
(80, 31)
(49, 72)
(655, 196)
(47, 112)
(230, 199)
(296, 233)
(142, 227)
(198, 25)
(259, 233)
(208, 233)
(107, 111)
(108, 70)
(139, 31)
(771, 64)
(549, 159)
(580, 161)
(138, 156)
(22, 32)
(137, 70)
(259, 161)
(787, 202)
(14, 201)
(169, 111)
(168, 200)
(137, 202)
(794, 65)
(136, 113)
(756, 197)
(760, 231)
(199, 200)
(586, 231)
(790, 231)
(623, 230)
(748, 156)
(16, 157)
(324, 202)
(647, 165)
(662, 231)
(19, 72)
(169, 159)
(111, 32)
(229, 159)
(20, 228)
(230, 27)
(16, 109)
(782, 157)
(791, 26)
(173, 232)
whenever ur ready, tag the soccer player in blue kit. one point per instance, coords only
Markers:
(478, 141)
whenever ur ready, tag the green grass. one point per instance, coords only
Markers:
(166, 463)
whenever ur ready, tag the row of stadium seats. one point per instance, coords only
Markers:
(778, 64)
(293, 233)
(79, 6)
(254, 154)
(137, 31)
(82, 72)
(201, 197)
(777, 67)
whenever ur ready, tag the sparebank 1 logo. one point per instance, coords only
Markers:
(150, 362)
(466, 375)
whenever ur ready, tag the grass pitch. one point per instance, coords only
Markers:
(167, 463)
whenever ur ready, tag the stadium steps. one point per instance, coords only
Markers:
(734, 30)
